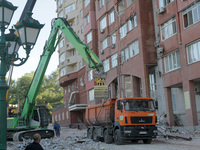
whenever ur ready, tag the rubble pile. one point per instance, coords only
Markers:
(65, 142)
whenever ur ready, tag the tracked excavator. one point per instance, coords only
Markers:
(33, 120)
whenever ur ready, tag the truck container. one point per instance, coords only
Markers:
(122, 119)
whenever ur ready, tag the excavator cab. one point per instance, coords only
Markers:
(40, 117)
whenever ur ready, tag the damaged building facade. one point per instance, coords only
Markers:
(149, 48)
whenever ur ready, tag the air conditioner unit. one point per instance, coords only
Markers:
(160, 50)
(156, 43)
(161, 10)
(101, 31)
(101, 51)
(112, 46)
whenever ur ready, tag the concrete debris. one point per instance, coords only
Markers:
(171, 133)
(67, 143)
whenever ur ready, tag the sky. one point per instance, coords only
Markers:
(44, 11)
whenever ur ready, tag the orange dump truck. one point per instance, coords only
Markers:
(122, 119)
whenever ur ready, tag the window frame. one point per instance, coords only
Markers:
(168, 27)
(114, 61)
(103, 22)
(89, 37)
(106, 65)
(136, 48)
(169, 61)
(91, 91)
(195, 52)
(104, 44)
(86, 3)
(111, 17)
(123, 31)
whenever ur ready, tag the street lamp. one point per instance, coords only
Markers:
(28, 30)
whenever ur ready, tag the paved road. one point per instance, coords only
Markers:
(158, 144)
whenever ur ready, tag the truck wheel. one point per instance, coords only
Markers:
(107, 137)
(89, 133)
(118, 138)
(147, 141)
(95, 135)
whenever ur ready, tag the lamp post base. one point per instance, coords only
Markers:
(3, 113)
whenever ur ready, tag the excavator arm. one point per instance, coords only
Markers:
(88, 55)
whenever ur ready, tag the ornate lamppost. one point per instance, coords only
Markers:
(28, 30)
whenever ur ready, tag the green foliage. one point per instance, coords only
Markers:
(50, 93)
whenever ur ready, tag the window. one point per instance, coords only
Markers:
(62, 57)
(129, 2)
(63, 116)
(81, 14)
(173, 91)
(104, 44)
(114, 60)
(61, 44)
(132, 23)
(59, 119)
(113, 38)
(101, 3)
(163, 3)
(87, 19)
(60, 3)
(152, 84)
(53, 119)
(128, 88)
(91, 94)
(168, 29)
(86, 2)
(90, 75)
(69, 88)
(191, 15)
(134, 48)
(56, 119)
(103, 23)
(193, 52)
(106, 65)
(172, 61)
(67, 115)
(60, 14)
(69, 8)
(111, 17)
(123, 31)
(81, 29)
(72, 53)
(89, 37)
(62, 72)
(121, 7)
(124, 55)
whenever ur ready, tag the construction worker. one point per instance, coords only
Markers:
(36, 143)
(57, 129)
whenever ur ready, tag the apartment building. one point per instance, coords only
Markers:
(149, 48)
(178, 22)
(71, 66)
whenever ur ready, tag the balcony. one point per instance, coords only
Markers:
(65, 80)
(77, 107)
